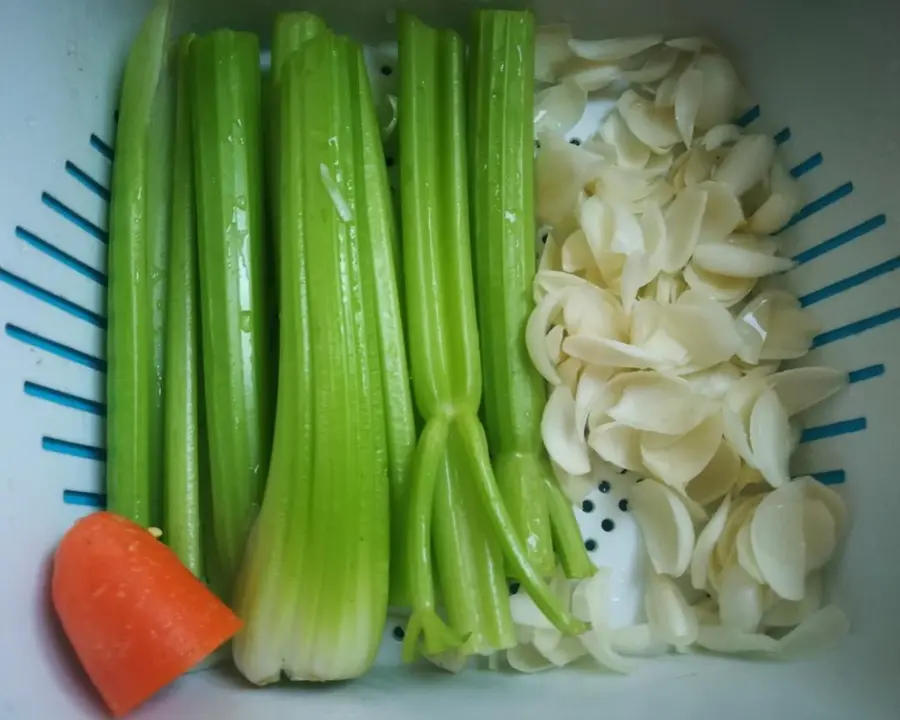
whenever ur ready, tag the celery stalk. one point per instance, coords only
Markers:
(291, 31)
(159, 235)
(349, 530)
(427, 466)
(314, 586)
(468, 560)
(501, 131)
(399, 417)
(567, 538)
(456, 568)
(273, 573)
(211, 563)
(475, 443)
(182, 439)
(133, 324)
(443, 333)
(234, 314)
(429, 329)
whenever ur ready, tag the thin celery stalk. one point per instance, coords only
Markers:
(380, 332)
(212, 565)
(441, 318)
(429, 337)
(457, 286)
(427, 332)
(159, 234)
(519, 477)
(457, 301)
(129, 351)
(469, 563)
(182, 439)
(567, 538)
(425, 621)
(502, 186)
(456, 572)
(501, 130)
(234, 314)
(400, 421)
(475, 443)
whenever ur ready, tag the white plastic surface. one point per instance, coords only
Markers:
(828, 71)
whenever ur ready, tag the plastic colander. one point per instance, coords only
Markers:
(826, 76)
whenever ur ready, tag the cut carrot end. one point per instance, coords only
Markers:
(136, 617)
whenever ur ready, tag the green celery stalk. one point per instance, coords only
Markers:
(182, 438)
(469, 564)
(134, 323)
(438, 638)
(291, 31)
(349, 528)
(270, 574)
(443, 333)
(159, 237)
(475, 443)
(567, 538)
(501, 136)
(314, 587)
(421, 148)
(211, 562)
(234, 315)
(456, 569)
(273, 572)
(400, 423)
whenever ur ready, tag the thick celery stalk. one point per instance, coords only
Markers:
(268, 582)
(350, 490)
(133, 322)
(234, 316)
(501, 132)
(314, 587)
(443, 336)
(182, 437)
(273, 572)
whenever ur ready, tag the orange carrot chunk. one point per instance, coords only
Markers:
(135, 615)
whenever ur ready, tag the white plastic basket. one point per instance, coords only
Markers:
(827, 79)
